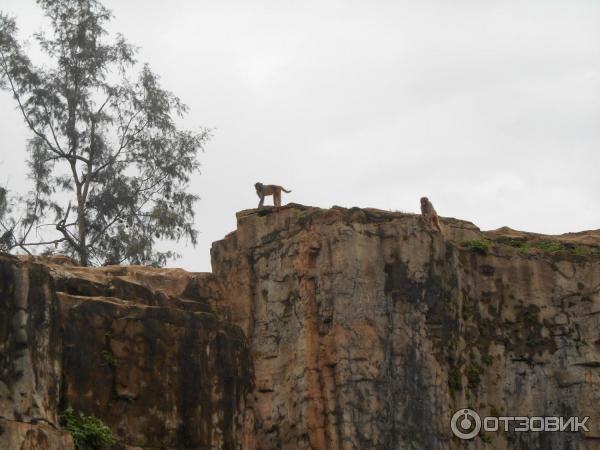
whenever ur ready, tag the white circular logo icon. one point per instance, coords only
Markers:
(465, 423)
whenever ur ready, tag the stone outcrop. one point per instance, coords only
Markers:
(368, 331)
(30, 359)
(143, 349)
(317, 329)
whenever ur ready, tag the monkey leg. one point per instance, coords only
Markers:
(277, 198)
(426, 221)
(262, 200)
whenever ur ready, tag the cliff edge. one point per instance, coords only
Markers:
(317, 329)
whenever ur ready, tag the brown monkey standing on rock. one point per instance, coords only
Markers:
(429, 215)
(262, 190)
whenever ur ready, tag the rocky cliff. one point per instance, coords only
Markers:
(367, 331)
(145, 350)
(318, 329)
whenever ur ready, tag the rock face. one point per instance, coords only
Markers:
(368, 331)
(333, 329)
(30, 359)
(143, 349)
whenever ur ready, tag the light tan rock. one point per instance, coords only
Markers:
(25, 436)
(368, 331)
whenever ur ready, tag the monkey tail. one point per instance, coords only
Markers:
(284, 190)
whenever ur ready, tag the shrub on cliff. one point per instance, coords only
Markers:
(87, 431)
(481, 246)
(109, 166)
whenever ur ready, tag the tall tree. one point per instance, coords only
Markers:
(109, 166)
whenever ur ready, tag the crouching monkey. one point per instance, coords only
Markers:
(263, 190)
(430, 217)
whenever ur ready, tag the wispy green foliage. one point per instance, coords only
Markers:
(109, 166)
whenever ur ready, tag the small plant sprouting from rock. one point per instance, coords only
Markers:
(529, 317)
(454, 380)
(109, 358)
(473, 373)
(218, 314)
(481, 246)
(468, 308)
(87, 431)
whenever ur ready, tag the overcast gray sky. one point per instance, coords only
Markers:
(491, 108)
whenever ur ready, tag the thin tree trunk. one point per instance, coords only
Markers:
(81, 228)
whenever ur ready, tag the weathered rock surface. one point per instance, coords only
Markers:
(26, 436)
(348, 329)
(30, 359)
(143, 349)
(368, 331)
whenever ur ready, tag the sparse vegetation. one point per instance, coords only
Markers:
(454, 380)
(467, 308)
(473, 374)
(218, 314)
(487, 360)
(530, 317)
(109, 358)
(579, 250)
(481, 246)
(522, 246)
(550, 246)
(87, 431)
